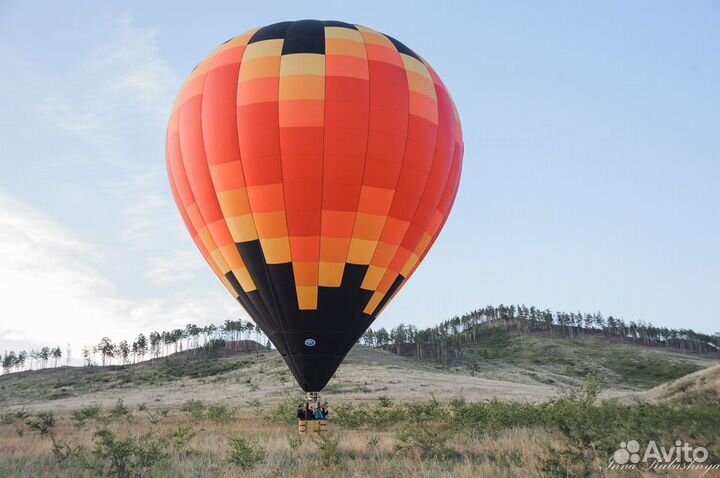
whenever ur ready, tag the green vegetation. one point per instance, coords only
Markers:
(642, 420)
(43, 423)
(86, 413)
(576, 434)
(543, 355)
(329, 446)
(123, 457)
(244, 454)
(614, 363)
(427, 442)
(77, 381)
(440, 344)
(447, 340)
(196, 409)
(220, 413)
(589, 430)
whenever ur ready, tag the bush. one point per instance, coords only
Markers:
(426, 441)
(43, 423)
(11, 417)
(329, 446)
(182, 436)
(421, 412)
(86, 413)
(63, 452)
(383, 414)
(350, 416)
(154, 415)
(285, 412)
(120, 410)
(196, 409)
(128, 457)
(243, 454)
(7, 419)
(583, 427)
(385, 402)
(220, 413)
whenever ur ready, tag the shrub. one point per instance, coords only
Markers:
(284, 412)
(43, 423)
(196, 409)
(116, 457)
(243, 454)
(182, 436)
(154, 415)
(329, 446)
(350, 416)
(120, 410)
(421, 412)
(577, 418)
(382, 415)
(220, 413)
(63, 452)
(426, 441)
(86, 413)
(385, 402)
(8, 419)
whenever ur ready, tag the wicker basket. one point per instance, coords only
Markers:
(305, 426)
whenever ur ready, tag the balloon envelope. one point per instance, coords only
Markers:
(314, 164)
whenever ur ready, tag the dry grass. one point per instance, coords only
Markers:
(364, 375)
(367, 374)
(362, 453)
(701, 386)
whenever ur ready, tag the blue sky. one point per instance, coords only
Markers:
(590, 182)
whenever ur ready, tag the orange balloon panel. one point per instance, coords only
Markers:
(314, 163)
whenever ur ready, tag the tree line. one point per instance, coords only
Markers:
(156, 344)
(40, 358)
(451, 335)
(433, 342)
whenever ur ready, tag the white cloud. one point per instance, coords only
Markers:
(54, 289)
(144, 74)
(180, 267)
(148, 211)
(151, 226)
(107, 108)
(124, 73)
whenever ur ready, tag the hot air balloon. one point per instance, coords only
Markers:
(314, 164)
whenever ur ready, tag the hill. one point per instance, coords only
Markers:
(702, 386)
(537, 356)
(501, 363)
(245, 377)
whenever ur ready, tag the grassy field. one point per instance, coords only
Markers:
(573, 435)
(527, 407)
